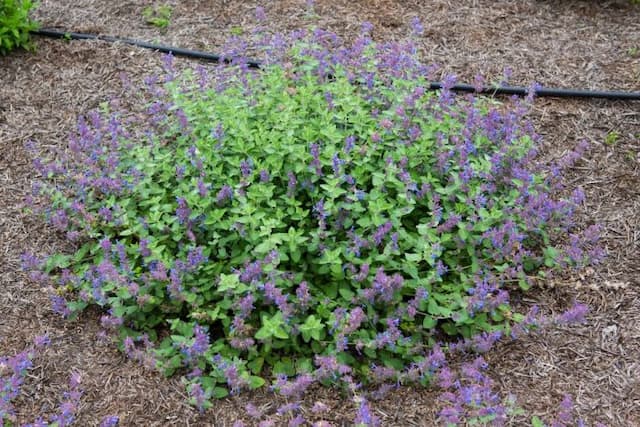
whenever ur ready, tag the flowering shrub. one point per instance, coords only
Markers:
(324, 218)
(15, 25)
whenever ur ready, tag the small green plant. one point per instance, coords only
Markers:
(15, 25)
(612, 138)
(633, 52)
(236, 31)
(158, 16)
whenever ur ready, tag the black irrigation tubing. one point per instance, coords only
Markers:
(498, 90)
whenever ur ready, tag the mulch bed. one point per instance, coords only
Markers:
(587, 44)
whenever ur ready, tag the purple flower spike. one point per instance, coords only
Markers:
(416, 25)
(261, 16)
(110, 421)
(575, 314)
(225, 193)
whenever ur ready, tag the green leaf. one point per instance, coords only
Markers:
(219, 392)
(256, 365)
(304, 365)
(280, 333)
(346, 293)
(228, 282)
(284, 366)
(536, 422)
(272, 327)
(57, 261)
(311, 328)
(82, 252)
(256, 382)
(413, 257)
(429, 322)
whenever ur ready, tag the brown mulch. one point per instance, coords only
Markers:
(588, 44)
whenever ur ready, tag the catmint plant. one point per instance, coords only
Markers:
(324, 219)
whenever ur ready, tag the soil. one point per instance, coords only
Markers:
(580, 44)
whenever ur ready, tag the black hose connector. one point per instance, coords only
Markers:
(495, 90)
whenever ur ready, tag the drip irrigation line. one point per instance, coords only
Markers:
(496, 90)
(176, 51)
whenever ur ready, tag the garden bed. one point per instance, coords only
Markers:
(554, 44)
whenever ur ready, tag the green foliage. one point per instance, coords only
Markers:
(158, 16)
(15, 25)
(236, 31)
(612, 138)
(537, 422)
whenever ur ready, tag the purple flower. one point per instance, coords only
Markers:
(386, 124)
(446, 378)
(158, 270)
(252, 271)
(253, 411)
(363, 274)
(203, 188)
(182, 119)
(246, 304)
(42, 340)
(356, 317)
(261, 16)
(319, 407)
(180, 170)
(197, 394)
(225, 193)
(232, 376)
(564, 416)
(478, 83)
(303, 294)
(533, 90)
(381, 232)
(288, 407)
(298, 420)
(201, 341)
(366, 28)
(348, 143)
(575, 314)
(59, 305)
(328, 97)
(507, 73)
(182, 211)
(245, 168)
(144, 248)
(218, 134)
(110, 421)
(320, 212)
(195, 258)
(385, 286)
(364, 415)
(274, 294)
(60, 220)
(417, 27)
(291, 185)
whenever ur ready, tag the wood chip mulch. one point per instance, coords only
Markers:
(572, 43)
